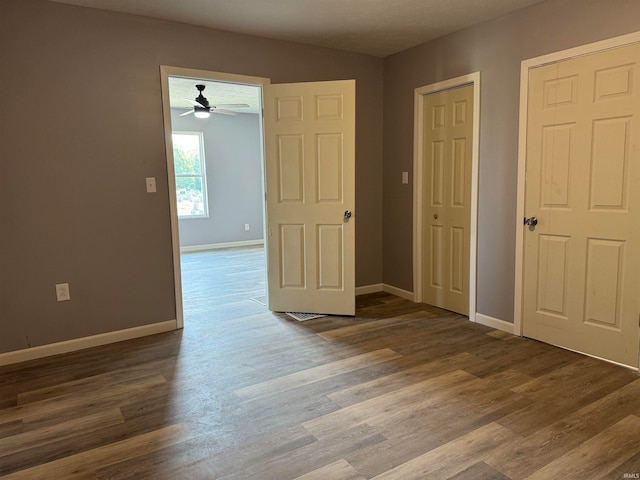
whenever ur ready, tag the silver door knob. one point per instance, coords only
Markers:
(532, 222)
(347, 216)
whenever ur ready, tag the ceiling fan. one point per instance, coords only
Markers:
(202, 108)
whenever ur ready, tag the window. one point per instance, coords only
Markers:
(191, 182)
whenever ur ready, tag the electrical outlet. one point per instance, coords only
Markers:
(62, 292)
(405, 178)
(246, 226)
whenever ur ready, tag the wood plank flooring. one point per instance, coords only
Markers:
(401, 391)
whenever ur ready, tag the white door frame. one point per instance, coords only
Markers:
(165, 73)
(418, 188)
(526, 65)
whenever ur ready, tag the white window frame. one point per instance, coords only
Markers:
(202, 175)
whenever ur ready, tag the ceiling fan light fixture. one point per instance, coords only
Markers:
(203, 109)
(201, 113)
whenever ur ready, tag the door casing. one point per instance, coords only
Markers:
(526, 65)
(418, 187)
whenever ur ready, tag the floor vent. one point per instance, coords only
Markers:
(301, 317)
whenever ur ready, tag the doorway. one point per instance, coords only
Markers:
(308, 173)
(208, 209)
(429, 195)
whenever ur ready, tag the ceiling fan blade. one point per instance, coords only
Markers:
(188, 112)
(231, 105)
(222, 111)
(197, 104)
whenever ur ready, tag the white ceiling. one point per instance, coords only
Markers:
(181, 90)
(374, 27)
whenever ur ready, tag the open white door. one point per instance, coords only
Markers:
(310, 186)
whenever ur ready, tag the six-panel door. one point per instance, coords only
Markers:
(310, 183)
(448, 130)
(582, 275)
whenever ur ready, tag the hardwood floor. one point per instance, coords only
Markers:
(401, 391)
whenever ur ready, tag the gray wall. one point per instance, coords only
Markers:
(81, 128)
(496, 49)
(234, 178)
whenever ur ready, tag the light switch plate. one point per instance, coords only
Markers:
(151, 184)
(405, 178)
(62, 292)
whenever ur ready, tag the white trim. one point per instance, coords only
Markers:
(86, 342)
(583, 50)
(526, 65)
(494, 323)
(217, 246)
(165, 73)
(418, 142)
(520, 198)
(374, 288)
(383, 287)
(398, 292)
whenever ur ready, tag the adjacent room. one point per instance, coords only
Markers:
(450, 182)
(217, 171)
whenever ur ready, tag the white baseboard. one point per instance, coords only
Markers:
(216, 246)
(86, 342)
(494, 323)
(473, 317)
(398, 292)
(383, 287)
(376, 287)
